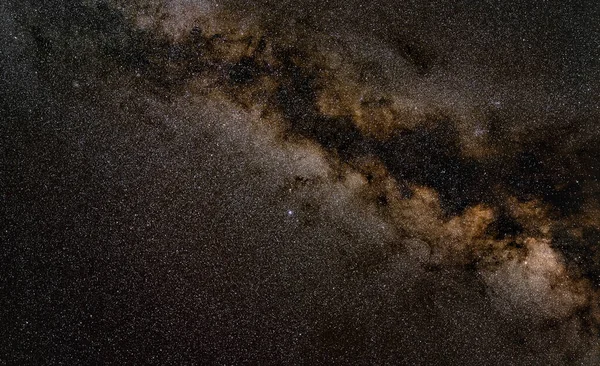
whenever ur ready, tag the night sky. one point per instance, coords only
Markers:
(300, 182)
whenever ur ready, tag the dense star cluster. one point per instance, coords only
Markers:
(207, 182)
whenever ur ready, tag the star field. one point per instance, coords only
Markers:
(312, 182)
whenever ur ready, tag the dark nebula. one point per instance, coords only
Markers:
(310, 182)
